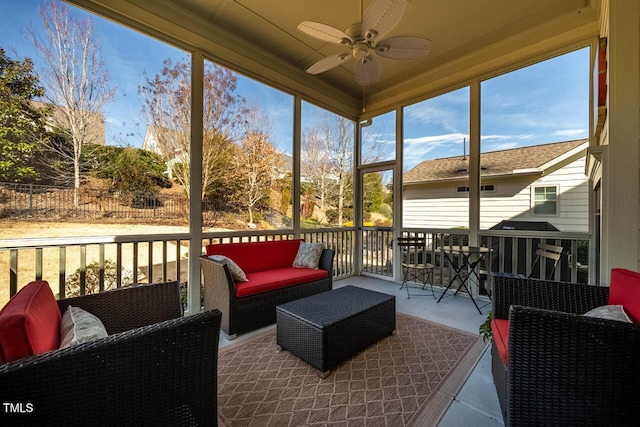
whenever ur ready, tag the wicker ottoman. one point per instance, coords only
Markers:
(330, 327)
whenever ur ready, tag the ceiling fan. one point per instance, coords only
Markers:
(365, 38)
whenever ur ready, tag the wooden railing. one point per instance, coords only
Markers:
(512, 252)
(81, 265)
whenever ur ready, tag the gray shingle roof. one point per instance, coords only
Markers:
(492, 163)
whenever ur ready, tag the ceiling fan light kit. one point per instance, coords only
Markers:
(361, 38)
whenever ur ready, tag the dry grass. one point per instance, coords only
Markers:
(14, 229)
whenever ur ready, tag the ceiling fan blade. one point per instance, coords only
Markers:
(405, 47)
(327, 63)
(324, 32)
(381, 16)
(367, 71)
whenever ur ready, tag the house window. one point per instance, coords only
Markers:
(545, 200)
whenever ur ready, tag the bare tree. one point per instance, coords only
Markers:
(76, 80)
(336, 133)
(327, 158)
(166, 104)
(316, 165)
(258, 161)
(372, 143)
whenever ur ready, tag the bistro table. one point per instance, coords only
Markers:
(470, 257)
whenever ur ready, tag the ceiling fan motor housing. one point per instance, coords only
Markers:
(360, 50)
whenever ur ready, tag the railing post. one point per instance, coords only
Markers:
(30, 199)
(62, 272)
(13, 272)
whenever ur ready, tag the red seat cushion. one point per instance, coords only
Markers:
(258, 256)
(500, 329)
(625, 290)
(264, 281)
(29, 323)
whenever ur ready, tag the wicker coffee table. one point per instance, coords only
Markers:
(328, 328)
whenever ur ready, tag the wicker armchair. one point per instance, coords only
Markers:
(154, 368)
(564, 369)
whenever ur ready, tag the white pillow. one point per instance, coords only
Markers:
(308, 255)
(79, 326)
(236, 272)
(611, 312)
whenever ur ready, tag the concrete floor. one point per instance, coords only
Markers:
(477, 403)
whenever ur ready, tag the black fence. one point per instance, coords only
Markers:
(40, 201)
(51, 202)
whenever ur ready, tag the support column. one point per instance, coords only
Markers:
(621, 195)
(195, 182)
(397, 194)
(474, 177)
(474, 164)
(295, 173)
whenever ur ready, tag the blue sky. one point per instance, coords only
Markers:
(543, 103)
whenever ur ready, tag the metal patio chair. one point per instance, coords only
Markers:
(415, 267)
(544, 252)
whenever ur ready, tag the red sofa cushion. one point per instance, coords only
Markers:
(264, 281)
(625, 290)
(29, 323)
(258, 256)
(500, 329)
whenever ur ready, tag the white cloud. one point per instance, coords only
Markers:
(436, 113)
(522, 137)
(571, 132)
(505, 146)
(417, 149)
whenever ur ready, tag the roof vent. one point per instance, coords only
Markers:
(484, 168)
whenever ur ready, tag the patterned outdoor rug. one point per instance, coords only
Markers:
(402, 380)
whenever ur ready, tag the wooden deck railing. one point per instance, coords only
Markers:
(512, 251)
(81, 265)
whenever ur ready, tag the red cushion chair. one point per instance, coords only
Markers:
(29, 323)
(561, 367)
(625, 290)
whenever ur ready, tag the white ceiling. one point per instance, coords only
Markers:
(456, 27)
(260, 38)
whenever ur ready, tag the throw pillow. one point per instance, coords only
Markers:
(611, 312)
(29, 323)
(79, 326)
(308, 255)
(236, 272)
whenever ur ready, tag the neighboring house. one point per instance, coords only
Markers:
(539, 183)
(152, 143)
(95, 134)
(306, 171)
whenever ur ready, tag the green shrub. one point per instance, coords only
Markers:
(92, 279)
(583, 252)
(485, 328)
(257, 217)
(332, 215)
(386, 211)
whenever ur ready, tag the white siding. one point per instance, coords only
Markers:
(439, 206)
(442, 208)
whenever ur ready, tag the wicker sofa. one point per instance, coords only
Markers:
(154, 368)
(553, 366)
(273, 281)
